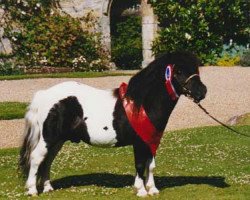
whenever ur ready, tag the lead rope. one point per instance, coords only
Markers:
(188, 94)
(226, 126)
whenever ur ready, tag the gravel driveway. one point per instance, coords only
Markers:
(228, 95)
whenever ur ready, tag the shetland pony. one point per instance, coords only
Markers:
(77, 112)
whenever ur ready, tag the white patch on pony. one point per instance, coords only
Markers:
(98, 106)
(47, 187)
(150, 183)
(139, 186)
(32, 122)
(36, 158)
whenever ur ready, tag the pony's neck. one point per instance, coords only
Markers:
(147, 89)
(159, 106)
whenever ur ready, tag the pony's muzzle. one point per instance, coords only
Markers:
(201, 94)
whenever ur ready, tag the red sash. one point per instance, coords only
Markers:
(140, 122)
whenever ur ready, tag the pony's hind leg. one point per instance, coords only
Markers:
(36, 158)
(150, 183)
(44, 169)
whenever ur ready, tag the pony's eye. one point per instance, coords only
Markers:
(178, 72)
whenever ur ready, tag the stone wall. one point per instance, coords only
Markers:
(79, 8)
(149, 31)
(5, 45)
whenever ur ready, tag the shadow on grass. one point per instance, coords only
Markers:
(120, 181)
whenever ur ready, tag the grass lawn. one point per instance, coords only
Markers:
(201, 163)
(64, 75)
(12, 110)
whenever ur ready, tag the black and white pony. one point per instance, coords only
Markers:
(77, 112)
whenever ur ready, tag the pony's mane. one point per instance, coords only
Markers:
(152, 77)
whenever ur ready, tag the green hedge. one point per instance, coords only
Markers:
(43, 37)
(53, 41)
(127, 43)
(201, 26)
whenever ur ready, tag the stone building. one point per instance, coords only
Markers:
(105, 10)
(5, 45)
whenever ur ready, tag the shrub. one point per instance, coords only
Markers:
(200, 26)
(55, 41)
(230, 55)
(127, 44)
(245, 59)
(81, 64)
(47, 38)
(228, 61)
(8, 68)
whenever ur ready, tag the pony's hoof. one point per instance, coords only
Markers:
(153, 191)
(48, 188)
(142, 193)
(32, 192)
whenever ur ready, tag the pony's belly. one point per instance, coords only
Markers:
(101, 134)
(98, 111)
(103, 140)
(100, 130)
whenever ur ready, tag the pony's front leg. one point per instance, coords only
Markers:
(150, 183)
(142, 155)
(139, 186)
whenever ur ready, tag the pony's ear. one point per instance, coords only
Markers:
(199, 62)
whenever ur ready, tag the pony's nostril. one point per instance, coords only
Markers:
(202, 97)
(203, 92)
(204, 89)
(199, 96)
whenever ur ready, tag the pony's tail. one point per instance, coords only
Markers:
(31, 138)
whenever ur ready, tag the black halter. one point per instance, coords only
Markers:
(186, 91)
(169, 74)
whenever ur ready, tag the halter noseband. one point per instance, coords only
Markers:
(190, 77)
